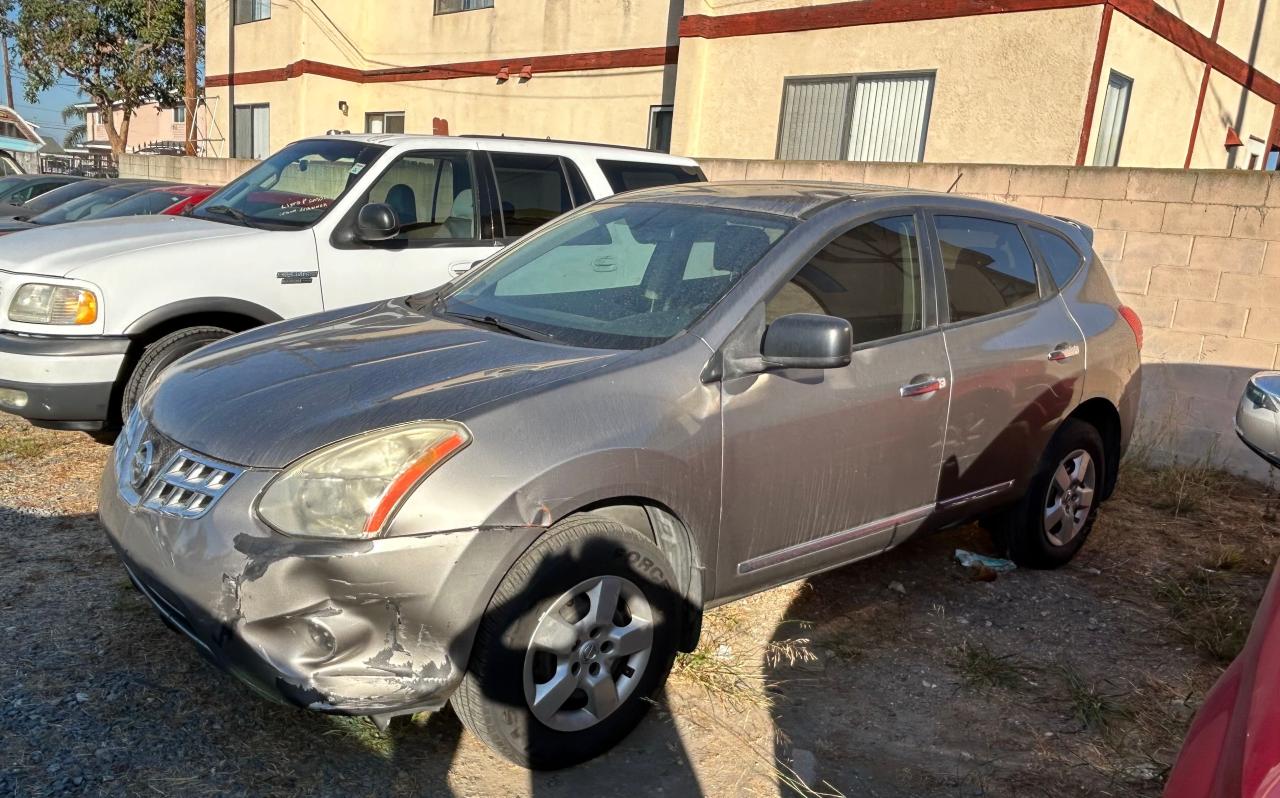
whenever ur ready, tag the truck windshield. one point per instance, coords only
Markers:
(618, 276)
(294, 188)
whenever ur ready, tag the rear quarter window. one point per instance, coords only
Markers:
(1062, 259)
(630, 176)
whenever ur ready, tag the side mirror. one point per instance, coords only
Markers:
(377, 222)
(808, 341)
(1258, 416)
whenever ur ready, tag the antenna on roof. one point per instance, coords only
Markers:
(955, 182)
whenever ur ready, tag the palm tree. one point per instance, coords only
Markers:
(77, 133)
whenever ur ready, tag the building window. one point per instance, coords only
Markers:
(856, 117)
(1115, 109)
(384, 122)
(660, 118)
(252, 10)
(179, 114)
(252, 131)
(452, 6)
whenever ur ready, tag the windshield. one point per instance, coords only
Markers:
(622, 276)
(145, 203)
(61, 194)
(80, 207)
(293, 188)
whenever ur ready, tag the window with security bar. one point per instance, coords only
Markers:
(855, 117)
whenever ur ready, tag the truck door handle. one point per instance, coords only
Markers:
(1064, 352)
(923, 386)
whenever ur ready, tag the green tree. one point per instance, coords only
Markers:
(78, 133)
(123, 54)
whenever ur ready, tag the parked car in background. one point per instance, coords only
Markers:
(166, 201)
(519, 491)
(91, 313)
(52, 199)
(17, 190)
(1233, 747)
(81, 208)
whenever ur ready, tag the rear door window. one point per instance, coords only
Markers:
(630, 176)
(532, 190)
(987, 264)
(1062, 259)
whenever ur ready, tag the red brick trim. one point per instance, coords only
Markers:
(1095, 78)
(571, 62)
(852, 14)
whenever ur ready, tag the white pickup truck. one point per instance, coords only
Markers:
(91, 312)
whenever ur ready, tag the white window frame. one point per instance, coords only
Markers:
(1099, 153)
(463, 5)
(383, 115)
(846, 131)
(259, 10)
(266, 145)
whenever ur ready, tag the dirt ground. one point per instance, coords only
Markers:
(897, 677)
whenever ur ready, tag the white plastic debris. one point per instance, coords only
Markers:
(971, 560)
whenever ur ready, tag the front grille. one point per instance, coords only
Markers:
(185, 485)
(189, 485)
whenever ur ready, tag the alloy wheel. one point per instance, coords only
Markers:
(1070, 497)
(588, 653)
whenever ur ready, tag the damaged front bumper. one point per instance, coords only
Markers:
(373, 627)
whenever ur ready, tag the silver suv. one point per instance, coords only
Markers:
(519, 491)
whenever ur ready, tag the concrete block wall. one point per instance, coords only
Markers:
(1196, 253)
(199, 171)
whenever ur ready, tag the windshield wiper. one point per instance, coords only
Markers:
(232, 213)
(504, 326)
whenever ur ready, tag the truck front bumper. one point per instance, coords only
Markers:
(60, 381)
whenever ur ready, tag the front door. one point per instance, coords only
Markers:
(442, 203)
(824, 467)
(1017, 357)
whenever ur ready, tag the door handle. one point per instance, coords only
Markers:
(923, 386)
(1064, 352)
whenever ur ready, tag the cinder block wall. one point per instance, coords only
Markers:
(200, 171)
(1196, 253)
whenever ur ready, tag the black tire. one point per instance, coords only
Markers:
(491, 700)
(161, 354)
(1020, 530)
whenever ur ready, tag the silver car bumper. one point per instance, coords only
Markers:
(375, 627)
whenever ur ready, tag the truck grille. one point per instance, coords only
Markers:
(185, 485)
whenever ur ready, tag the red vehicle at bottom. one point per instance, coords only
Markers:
(1233, 747)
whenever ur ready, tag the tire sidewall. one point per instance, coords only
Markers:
(164, 353)
(607, 549)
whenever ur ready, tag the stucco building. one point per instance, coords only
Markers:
(1161, 83)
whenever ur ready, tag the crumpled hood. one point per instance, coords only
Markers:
(266, 397)
(59, 250)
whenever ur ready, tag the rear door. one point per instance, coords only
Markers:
(443, 201)
(1016, 358)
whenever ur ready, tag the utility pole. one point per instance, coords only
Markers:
(8, 74)
(189, 88)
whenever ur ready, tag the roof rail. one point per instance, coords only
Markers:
(556, 141)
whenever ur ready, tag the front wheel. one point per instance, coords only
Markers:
(578, 635)
(1047, 527)
(161, 354)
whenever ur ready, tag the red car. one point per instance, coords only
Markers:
(167, 200)
(1233, 748)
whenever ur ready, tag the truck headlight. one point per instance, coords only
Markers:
(40, 303)
(352, 488)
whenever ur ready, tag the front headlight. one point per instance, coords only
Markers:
(40, 303)
(352, 488)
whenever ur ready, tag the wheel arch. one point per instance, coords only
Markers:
(1100, 413)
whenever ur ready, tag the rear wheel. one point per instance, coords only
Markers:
(1050, 523)
(161, 354)
(579, 633)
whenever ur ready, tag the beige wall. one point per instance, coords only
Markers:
(1196, 253)
(1222, 104)
(993, 98)
(1162, 105)
(1198, 14)
(150, 123)
(1241, 22)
